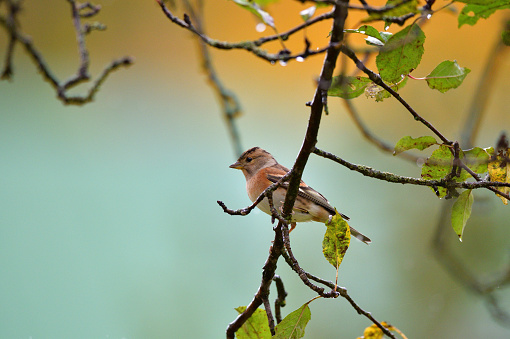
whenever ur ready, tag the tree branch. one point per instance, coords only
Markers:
(377, 80)
(77, 12)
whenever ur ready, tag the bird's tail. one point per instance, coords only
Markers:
(360, 236)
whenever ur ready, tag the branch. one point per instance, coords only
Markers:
(381, 144)
(230, 104)
(343, 293)
(279, 302)
(263, 291)
(317, 105)
(390, 177)
(77, 12)
(251, 46)
(377, 80)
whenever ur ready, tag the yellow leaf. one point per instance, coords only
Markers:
(499, 172)
(336, 240)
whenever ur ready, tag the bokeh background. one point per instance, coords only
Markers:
(109, 226)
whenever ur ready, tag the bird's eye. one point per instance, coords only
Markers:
(249, 159)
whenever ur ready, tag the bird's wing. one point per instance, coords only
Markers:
(308, 193)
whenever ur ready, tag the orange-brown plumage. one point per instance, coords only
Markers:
(261, 170)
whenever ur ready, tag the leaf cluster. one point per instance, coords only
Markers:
(449, 164)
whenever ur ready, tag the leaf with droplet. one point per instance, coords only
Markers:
(447, 75)
(254, 8)
(461, 211)
(375, 37)
(348, 87)
(336, 240)
(407, 143)
(401, 54)
(293, 325)
(256, 327)
(307, 13)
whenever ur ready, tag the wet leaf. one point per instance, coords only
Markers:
(306, 14)
(253, 7)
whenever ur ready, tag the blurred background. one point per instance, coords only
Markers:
(109, 226)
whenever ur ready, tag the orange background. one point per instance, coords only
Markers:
(109, 223)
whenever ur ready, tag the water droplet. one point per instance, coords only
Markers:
(300, 59)
(429, 16)
(272, 62)
(386, 27)
(283, 63)
(261, 27)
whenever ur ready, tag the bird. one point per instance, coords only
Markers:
(261, 170)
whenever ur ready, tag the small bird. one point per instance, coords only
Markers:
(262, 170)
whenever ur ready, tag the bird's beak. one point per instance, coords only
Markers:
(236, 165)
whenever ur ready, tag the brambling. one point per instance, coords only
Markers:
(262, 170)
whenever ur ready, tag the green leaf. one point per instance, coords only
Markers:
(396, 8)
(253, 7)
(256, 327)
(447, 75)
(348, 87)
(407, 143)
(336, 240)
(476, 159)
(375, 37)
(293, 325)
(401, 54)
(461, 211)
(438, 166)
(480, 9)
(263, 3)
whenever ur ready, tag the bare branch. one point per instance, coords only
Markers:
(251, 46)
(78, 11)
(230, 104)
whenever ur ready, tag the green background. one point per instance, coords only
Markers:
(109, 226)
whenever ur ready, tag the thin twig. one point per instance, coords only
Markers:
(343, 293)
(82, 73)
(381, 144)
(279, 302)
(250, 46)
(229, 102)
